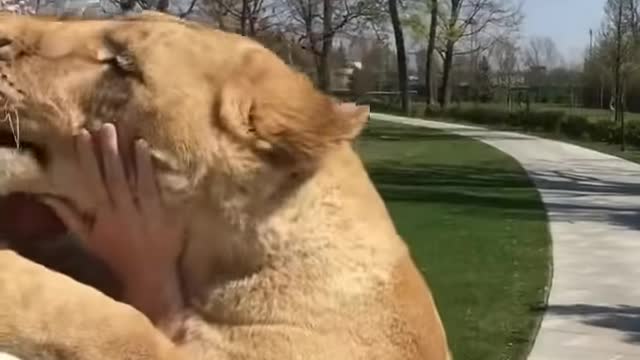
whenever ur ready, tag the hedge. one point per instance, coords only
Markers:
(554, 122)
(575, 127)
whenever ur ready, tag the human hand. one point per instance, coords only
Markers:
(131, 230)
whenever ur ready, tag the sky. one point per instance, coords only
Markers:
(567, 22)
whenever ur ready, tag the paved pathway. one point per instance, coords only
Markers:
(593, 202)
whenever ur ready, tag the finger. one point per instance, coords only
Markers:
(69, 217)
(90, 168)
(146, 186)
(114, 175)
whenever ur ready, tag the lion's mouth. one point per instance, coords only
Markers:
(24, 219)
(33, 230)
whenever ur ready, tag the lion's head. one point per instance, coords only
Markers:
(228, 122)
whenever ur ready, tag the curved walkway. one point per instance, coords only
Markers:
(593, 203)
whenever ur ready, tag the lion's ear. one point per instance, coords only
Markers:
(288, 120)
(279, 112)
(236, 108)
(353, 119)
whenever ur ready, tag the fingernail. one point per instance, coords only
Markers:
(108, 127)
(84, 133)
(139, 146)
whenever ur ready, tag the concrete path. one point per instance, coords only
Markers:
(593, 202)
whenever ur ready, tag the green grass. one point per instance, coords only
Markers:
(476, 228)
(631, 153)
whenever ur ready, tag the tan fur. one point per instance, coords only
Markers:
(44, 315)
(290, 252)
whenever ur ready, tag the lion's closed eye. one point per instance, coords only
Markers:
(119, 58)
(124, 64)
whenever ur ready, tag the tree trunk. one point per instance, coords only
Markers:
(601, 93)
(324, 71)
(253, 31)
(448, 57)
(444, 93)
(243, 17)
(401, 55)
(428, 80)
(162, 6)
(509, 100)
(618, 80)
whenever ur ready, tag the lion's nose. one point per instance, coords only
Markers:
(6, 49)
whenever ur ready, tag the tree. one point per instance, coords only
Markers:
(505, 53)
(378, 69)
(340, 57)
(452, 37)
(600, 65)
(542, 51)
(619, 48)
(17, 6)
(618, 100)
(431, 45)
(179, 8)
(401, 54)
(477, 24)
(484, 91)
(315, 23)
(131, 5)
(422, 20)
(324, 73)
(251, 16)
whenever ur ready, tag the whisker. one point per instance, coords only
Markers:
(15, 129)
(13, 118)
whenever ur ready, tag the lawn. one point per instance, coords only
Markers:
(632, 152)
(476, 228)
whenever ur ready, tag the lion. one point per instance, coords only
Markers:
(289, 253)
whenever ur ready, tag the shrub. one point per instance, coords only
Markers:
(575, 126)
(632, 133)
(572, 126)
(473, 115)
(454, 113)
(530, 121)
(603, 130)
(551, 121)
(514, 119)
(482, 116)
(500, 117)
(418, 110)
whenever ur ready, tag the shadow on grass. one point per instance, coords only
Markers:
(405, 133)
(419, 180)
(623, 318)
(471, 186)
(570, 195)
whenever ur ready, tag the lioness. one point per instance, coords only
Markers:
(290, 252)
